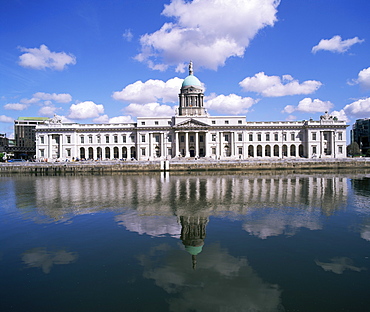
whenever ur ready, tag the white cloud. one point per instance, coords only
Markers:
(128, 35)
(7, 119)
(41, 58)
(87, 109)
(232, 104)
(341, 115)
(291, 118)
(48, 111)
(149, 110)
(307, 105)
(121, 119)
(59, 98)
(358, 109)
(15, 106)
(207, 32)
(336, 44)
(150, 91)
(101, 119)
(338, 265)
(273, 86)
(363, 78)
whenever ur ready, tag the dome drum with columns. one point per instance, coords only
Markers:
(192, 133)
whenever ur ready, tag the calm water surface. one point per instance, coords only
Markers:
(185, 243)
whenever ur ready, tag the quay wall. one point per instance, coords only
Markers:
(183, 165)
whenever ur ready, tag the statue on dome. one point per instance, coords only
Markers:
(191, 68)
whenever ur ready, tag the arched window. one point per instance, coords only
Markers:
(98, 153)
(91, 153)
(259, 151)
(292, 150)
(276, 150)
(107, 153)
(250, 151)
(124, 152)
(82, 153)
(115, 153)
(268, 151)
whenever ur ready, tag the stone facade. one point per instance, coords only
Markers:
(192, 132)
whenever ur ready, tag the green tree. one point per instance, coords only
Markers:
(353, 149)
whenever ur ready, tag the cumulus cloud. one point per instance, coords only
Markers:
(341, 115)
(150, 91)
(336, 44)
(149, 110)
(307, 105)
(15, 106)
(338, 265)
(44, 259)
(232, 104)
(273, 86)
(48, 111)
(358, 109)
(221, 282)
(363, 79)
(59, 98)
(87, 109)
(6, 119)
(101, 119)
(195, 35)
(121, 119)
(41, 58)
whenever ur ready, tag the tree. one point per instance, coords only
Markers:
(353, 149)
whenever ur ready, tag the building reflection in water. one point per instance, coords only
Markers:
(193, 233)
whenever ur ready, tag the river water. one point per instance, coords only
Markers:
(192, 242)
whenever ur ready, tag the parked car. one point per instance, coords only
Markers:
(16, 160)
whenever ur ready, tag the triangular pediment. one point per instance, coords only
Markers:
(191, 123)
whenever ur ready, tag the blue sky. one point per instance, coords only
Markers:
(93, 61)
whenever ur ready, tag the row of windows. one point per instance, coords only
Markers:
(314, 136)
(213, 122)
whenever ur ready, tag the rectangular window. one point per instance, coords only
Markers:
(314, 149)
(226, 137)
(169, 122)
(226, 122)
(143, 138)
(68, 139)
(115, 138)
(99, 139)
(259, 137)
(143, 152)
(143, 123)
(123, 139)
(276, 137)
(156, 123)
(267, 136)
(340, 149)
(192, 138)
(313, 136)
(90, 139)
(157, 138)
(213, 150)
(42, 140)
(182, 138)
(240, 122)
(284, 136)
(292, 136)
(107, 139)
(169, 138)
(68, 152)
(240, 137)
(240, 149)
(213, 137)
(132, 138)
(213, 122)
(325, 136)
(82, 140)
(340, 136)
(201, 138)
(42, 153)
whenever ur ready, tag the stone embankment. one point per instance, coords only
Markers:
(183, 165)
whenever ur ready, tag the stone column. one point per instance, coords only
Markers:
(177, 142)
(197, 143)
(187, 144)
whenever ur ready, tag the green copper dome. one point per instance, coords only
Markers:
(191, 80)
(193, 250)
